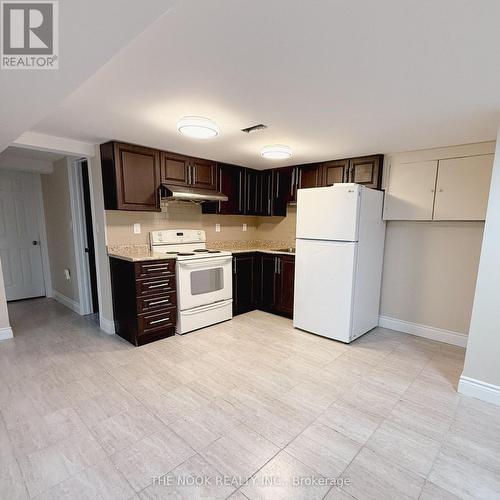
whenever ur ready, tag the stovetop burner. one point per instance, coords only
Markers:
(213, 251)
(201, 250)
(172, 253)
(184, 254)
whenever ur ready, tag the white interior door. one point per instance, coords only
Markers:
(462, 189)
(410, 191)
(20, 251)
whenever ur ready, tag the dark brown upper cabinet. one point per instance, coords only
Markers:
(203, 174)
(265, 193)
(366, 170)
(175, 169)
(283, 190)
(180, 170)
(230, 180)
(309, 176)
(252, 185)
(131, 177)
(335, 171)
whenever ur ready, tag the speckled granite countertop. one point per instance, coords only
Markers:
(245, 246)
(137, 253)
(138, 256)
(261, 250)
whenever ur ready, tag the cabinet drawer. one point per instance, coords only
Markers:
(147, 304)
(154, 268)
(155, 286)
(164, 318)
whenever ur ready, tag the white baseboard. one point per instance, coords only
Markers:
(480, 390)
(107, 325)
(66, 301)
(428, 332)
(6, 333)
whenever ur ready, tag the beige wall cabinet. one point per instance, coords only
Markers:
(462, 188)
(410, 191)
(445, 189)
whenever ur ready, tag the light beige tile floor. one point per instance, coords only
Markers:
(250, 408)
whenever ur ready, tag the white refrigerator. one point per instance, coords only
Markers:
(338, 260)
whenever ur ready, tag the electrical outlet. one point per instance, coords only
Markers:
(67, 274)
(244, 227)
(217, 228)
(137, 228)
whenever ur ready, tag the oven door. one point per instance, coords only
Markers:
(204, 281)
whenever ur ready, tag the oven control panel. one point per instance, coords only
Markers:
(174, 236)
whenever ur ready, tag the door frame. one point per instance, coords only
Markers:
(42, 236)
(78, 149)
(79, 234)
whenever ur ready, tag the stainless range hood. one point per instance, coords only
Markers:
(182, 193)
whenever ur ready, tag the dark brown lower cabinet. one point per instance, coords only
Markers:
(144, 299)
(286, 280)
(263, 281)
(244, 280)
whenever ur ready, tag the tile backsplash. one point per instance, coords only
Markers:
(186, 215)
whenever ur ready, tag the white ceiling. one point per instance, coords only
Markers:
(91, 31)
(330, 78)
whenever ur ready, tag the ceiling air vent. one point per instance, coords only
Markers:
(260, 126)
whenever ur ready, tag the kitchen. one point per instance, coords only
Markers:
(265, 237)
(268, 201)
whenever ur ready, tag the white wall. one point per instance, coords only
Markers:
(106, 316)
(56, 200)
(430, 271)
(481, 376)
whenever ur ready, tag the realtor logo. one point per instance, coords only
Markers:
(30, 35)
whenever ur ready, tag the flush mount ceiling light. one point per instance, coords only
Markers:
(276, 152)
(197, 127)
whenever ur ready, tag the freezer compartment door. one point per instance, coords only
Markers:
(328, 213)
(324, 282)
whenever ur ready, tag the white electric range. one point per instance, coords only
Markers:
(204, 278)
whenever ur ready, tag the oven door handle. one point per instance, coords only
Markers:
(209, 307)
(211, 262)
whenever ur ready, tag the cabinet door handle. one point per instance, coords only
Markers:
(158, 286)
(240, 176)
(277, 184)
(158, 302)
(234, 266)
(299, 182)
(220, 185)
(293, 182)
(441, 190)
(159, 321)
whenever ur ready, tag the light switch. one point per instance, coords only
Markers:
(244, 227)
(217, 228)
(137, 228)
